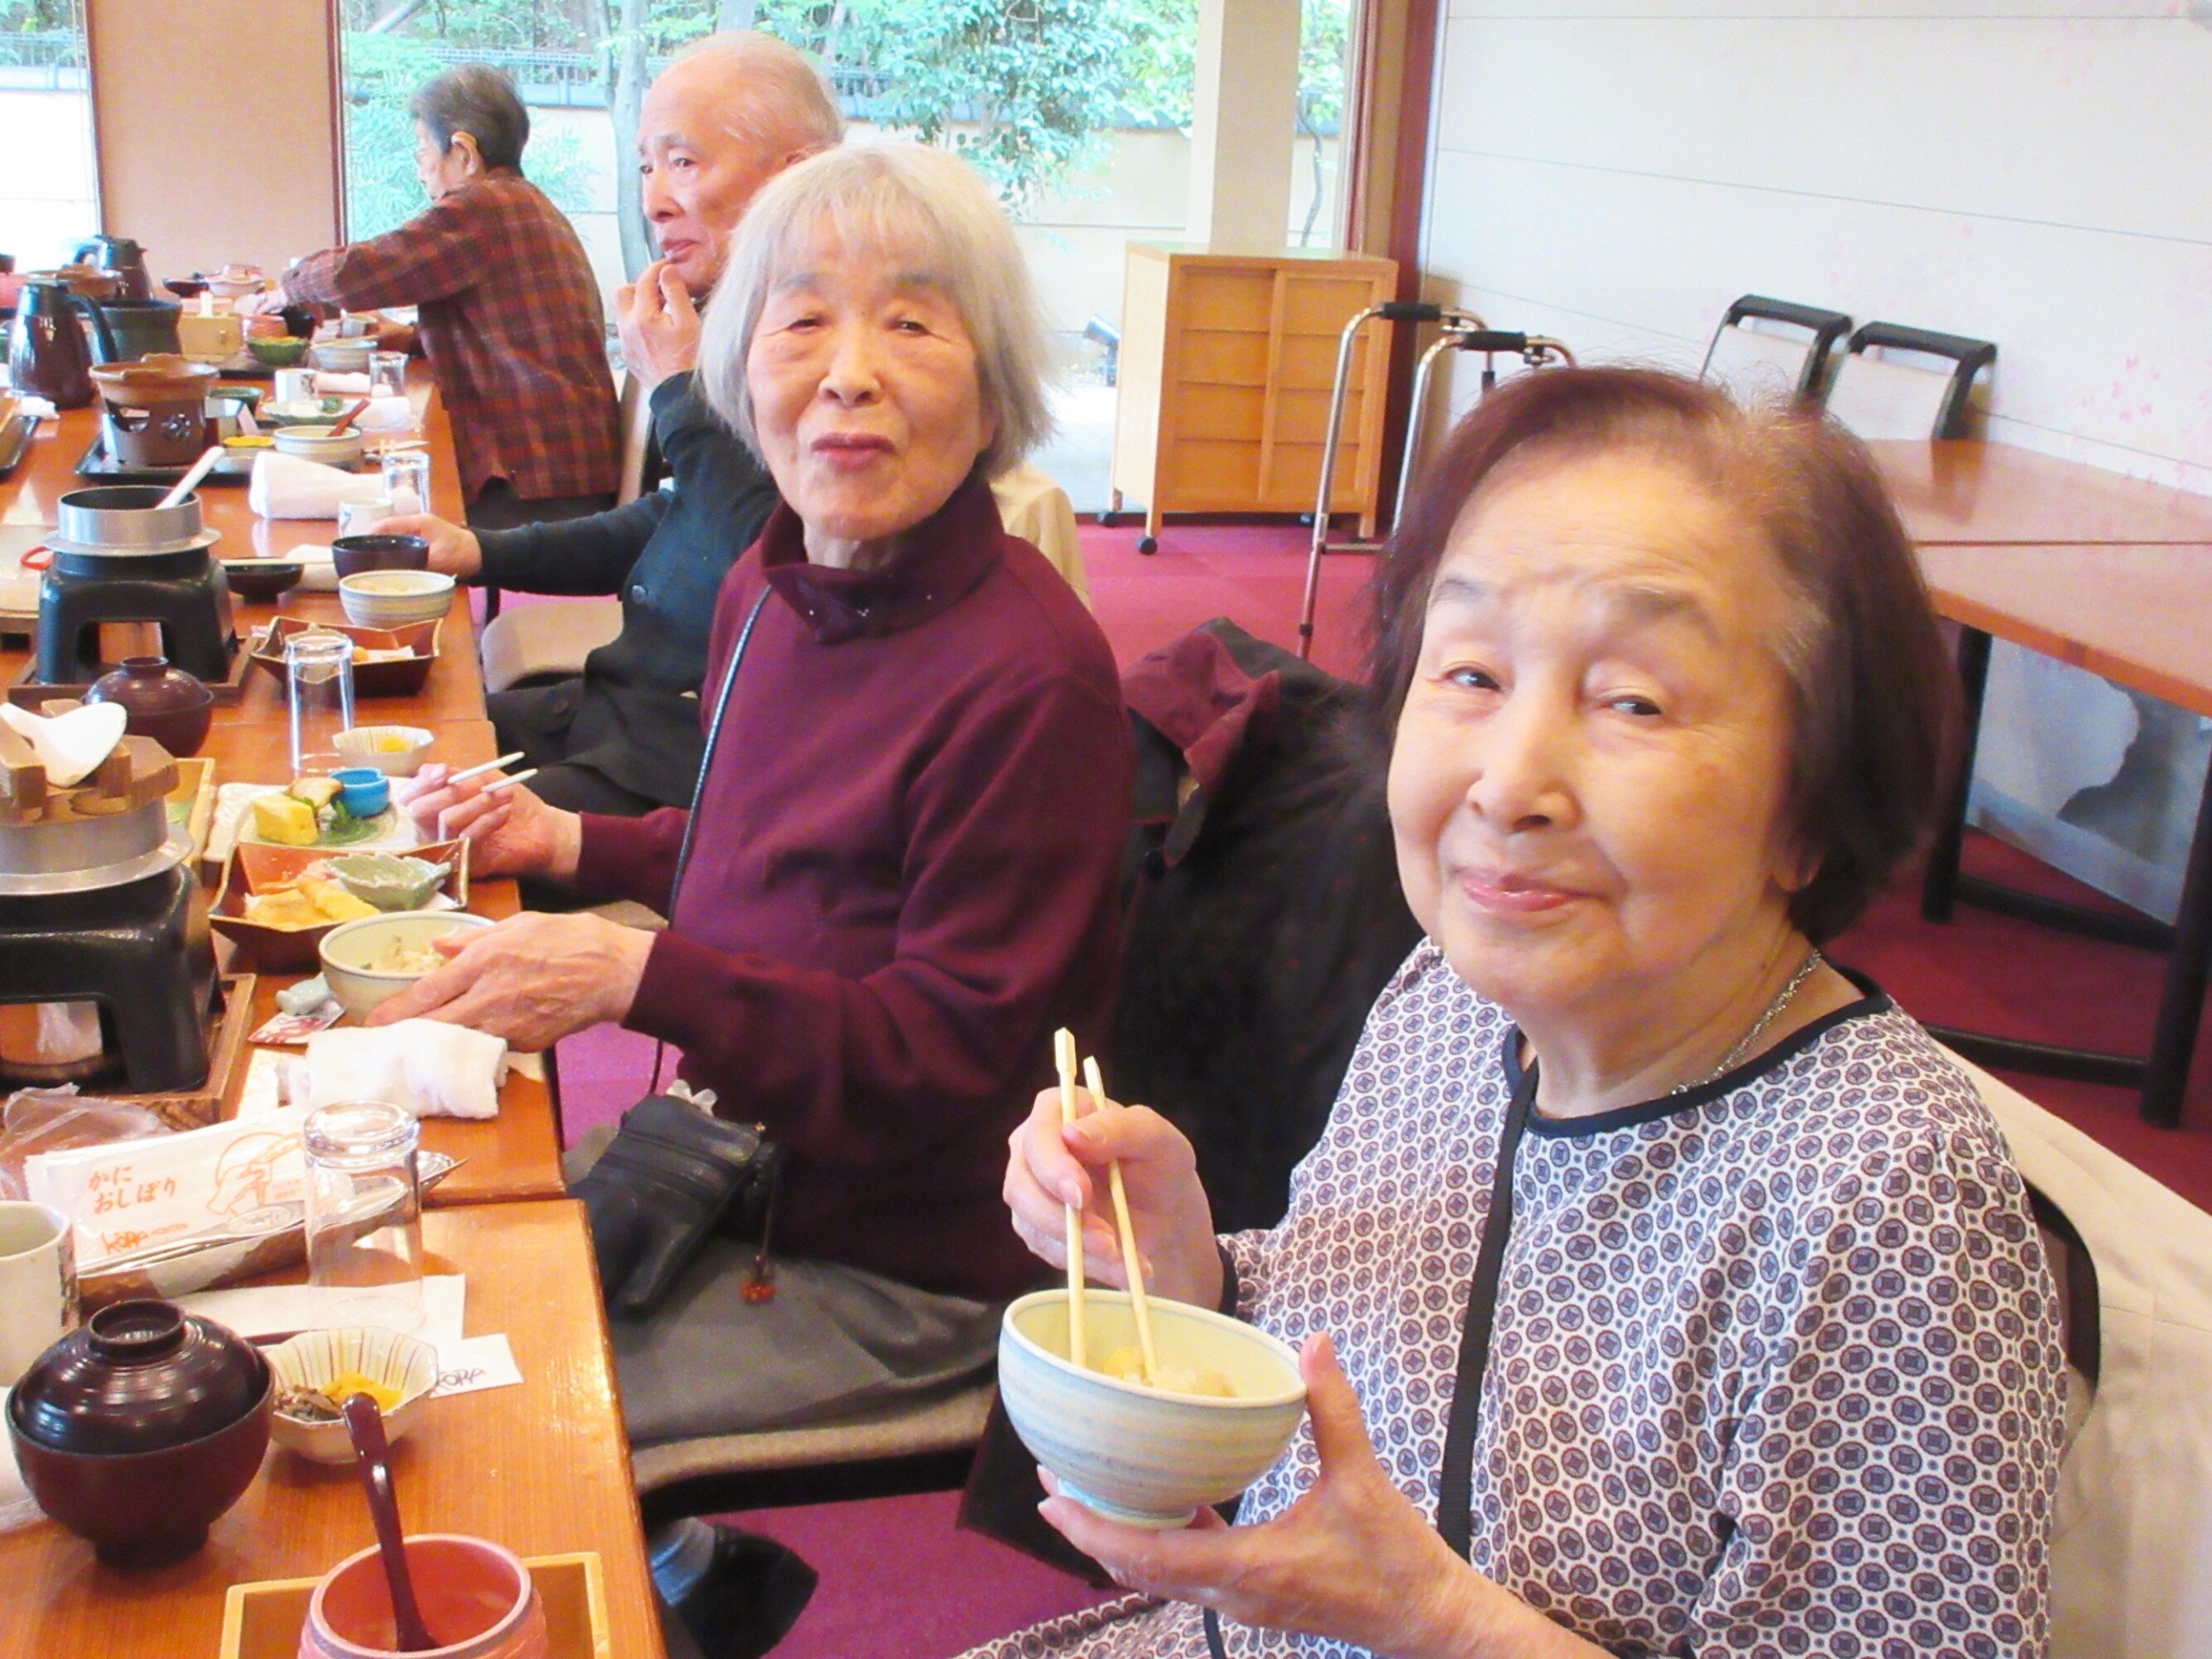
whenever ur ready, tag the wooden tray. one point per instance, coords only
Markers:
(28, 693)
(263, 1620)
(227, 1054)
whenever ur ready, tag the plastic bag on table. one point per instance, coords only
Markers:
(50, 1119)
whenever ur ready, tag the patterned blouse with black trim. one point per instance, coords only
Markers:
(1775, 1367)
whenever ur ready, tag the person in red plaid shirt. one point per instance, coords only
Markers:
(508, 311)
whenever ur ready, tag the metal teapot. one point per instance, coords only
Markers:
(121, 256)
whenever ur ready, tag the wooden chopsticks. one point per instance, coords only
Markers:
(1064, 1051)
(1064, 1054)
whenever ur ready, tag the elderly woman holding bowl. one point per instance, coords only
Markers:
(899, 874)
(1661, 1288)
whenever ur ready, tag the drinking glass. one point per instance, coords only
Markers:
(388, 374)
(319, 687)
(407, 479)
(365, 1211)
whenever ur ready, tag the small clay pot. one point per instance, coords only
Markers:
(139, 1430)
(164, 703)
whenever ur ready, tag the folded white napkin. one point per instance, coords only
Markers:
(390, 413)
(433, 1069)
(340, 382)
(284, 486)
(70, 747)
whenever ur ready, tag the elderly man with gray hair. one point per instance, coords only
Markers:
(624, 737)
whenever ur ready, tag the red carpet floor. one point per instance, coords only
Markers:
(899, 1582)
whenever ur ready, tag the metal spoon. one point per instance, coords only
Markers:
(372, 1457)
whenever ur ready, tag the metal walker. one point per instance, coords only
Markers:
(1462, 331)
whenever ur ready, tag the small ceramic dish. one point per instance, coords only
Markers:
(351, 950)
(363, 792)
(1141, 1456)
(396, 751)
(406, 1366)
(317, 443)
(392, 598)
(262, 581)
(393, 882)
(278, 350)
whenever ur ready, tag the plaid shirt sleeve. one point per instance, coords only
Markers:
(509, 319)
(432, 256)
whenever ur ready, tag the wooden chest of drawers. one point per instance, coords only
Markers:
(1227, 362)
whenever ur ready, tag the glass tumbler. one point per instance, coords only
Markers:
(319, 687)
(365, 1211)
(388, 374)
(407, 479)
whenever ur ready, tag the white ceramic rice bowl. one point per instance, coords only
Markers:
(406, 1364)
(392, 598)
(1129, 1453)
(316, 443)
(349, 948)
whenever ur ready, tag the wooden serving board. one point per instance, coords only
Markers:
(263, 1620)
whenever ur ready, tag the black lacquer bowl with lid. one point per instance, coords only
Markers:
(138, 1431)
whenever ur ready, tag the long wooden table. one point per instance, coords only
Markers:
(544, 1469)
(541, 1468)
(1987, 494)
(2135, 614)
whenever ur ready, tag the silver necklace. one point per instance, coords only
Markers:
(1734, 1056)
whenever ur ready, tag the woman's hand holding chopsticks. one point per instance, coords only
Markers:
(1052, 1166)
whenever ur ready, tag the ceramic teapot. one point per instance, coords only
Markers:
(122, 257)
(47, 354)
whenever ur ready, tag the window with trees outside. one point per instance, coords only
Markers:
(49, 201)
(1077, 110)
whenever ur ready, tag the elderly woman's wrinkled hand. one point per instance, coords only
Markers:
(1051, 1165)
(659, 325)
(1352, 1560)
(510, 831)
(532, 979)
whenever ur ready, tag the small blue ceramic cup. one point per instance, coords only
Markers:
(363, 790)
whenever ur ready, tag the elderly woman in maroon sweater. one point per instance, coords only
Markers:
(902, 857)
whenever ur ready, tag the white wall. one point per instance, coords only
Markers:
(2034, 172)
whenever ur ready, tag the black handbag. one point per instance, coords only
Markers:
(672, 1177)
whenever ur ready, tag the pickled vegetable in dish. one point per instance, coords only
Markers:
(326, 1404)
(1127, 1365)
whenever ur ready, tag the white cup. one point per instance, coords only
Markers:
(360, 518)
(38, 1285)
(293, 384)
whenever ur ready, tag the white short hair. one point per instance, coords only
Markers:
(933, 214)
(788, 105)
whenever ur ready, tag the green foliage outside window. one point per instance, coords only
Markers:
(382, 191)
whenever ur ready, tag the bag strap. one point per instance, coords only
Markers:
(699, 785)
(1455, 1483)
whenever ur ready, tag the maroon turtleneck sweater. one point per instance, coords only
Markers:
(904, 880)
